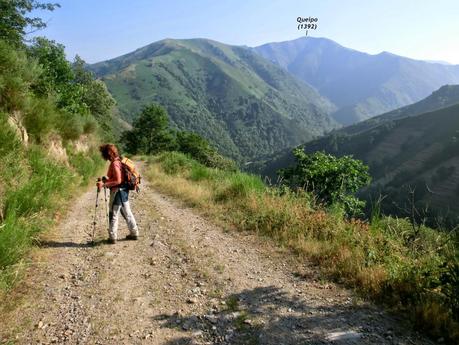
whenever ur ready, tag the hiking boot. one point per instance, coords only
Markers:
(132, 237)
(111, 241)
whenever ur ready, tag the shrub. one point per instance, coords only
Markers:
(199, 149)
(331, 179)
(41, 118)
(16, 75)
(90, 125)
(70, 126)
(238, 185)
(199, 172)
(175, 162)
(86, 164)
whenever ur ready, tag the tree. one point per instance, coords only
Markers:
(57, 73)
(82, 99)
(81, 74)
(201, 150)
(16, 75)
(150, 133)
(95, 96)
(331, 179)
(196, 146)
(14, 20)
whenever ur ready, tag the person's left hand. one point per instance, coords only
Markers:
(100, 184)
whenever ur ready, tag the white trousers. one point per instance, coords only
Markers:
(119, 203)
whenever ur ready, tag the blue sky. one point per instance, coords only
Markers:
(101, 29)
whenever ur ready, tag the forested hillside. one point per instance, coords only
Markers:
(359, 84)
(245, 105)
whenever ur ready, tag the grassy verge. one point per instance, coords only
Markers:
(33, 188)
(388, 260)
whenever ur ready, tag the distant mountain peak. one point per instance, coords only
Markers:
(440, 62)
(384, 52)
(306, 40)
(361, 85)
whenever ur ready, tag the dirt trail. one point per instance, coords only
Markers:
(185, 281)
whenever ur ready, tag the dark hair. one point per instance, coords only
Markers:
(108, 151)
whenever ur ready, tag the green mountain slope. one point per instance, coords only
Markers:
(444, 97)
(416, 151)
(245, 105)
(361, 85)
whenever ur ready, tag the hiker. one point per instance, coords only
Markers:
(119, 194)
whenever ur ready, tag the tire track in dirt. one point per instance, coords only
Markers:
(186, 281)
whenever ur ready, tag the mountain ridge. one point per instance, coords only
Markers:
(361, 85)
(445, 96)
(241, 102)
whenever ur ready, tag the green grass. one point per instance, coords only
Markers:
(238, 185)
(25, 209)
(33, 188)
(232, 304)
(412, 269)
(199, 173)
(86, 165)
(46, 179)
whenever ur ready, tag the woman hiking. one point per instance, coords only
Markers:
(119, 194)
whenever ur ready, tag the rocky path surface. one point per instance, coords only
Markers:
(185, 281)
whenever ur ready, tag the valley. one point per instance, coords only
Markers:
(414, 147)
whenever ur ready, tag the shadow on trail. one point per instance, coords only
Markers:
(267, 315)
(69, 244)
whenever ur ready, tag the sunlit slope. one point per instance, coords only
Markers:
(244, 104)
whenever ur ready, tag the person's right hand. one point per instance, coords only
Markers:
(99, 185)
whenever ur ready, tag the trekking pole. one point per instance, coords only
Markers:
(95, 215)
(106, 208)
(94, 221)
